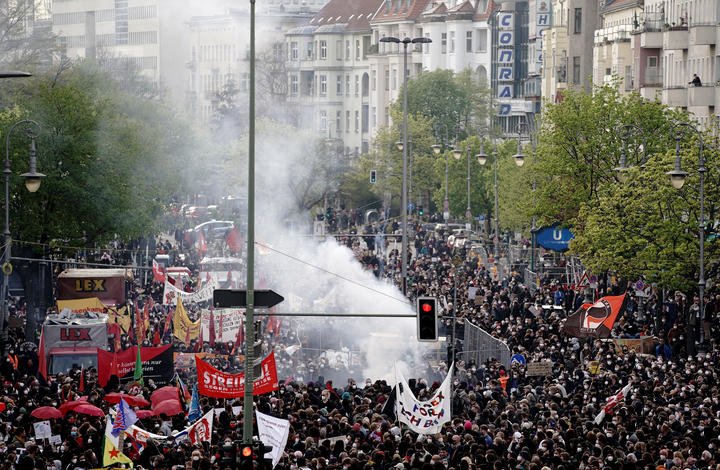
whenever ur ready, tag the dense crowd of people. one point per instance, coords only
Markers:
(501, 416)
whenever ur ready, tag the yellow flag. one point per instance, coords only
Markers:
(113, 456)
(182, 324)
(121, 317)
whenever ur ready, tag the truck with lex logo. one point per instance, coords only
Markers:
(73, 339)
(109, 285)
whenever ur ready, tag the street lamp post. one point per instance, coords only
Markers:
(677, 179)
(32, 183)
(437, 148)
(624, 133)
(457, 153)
(405, 41)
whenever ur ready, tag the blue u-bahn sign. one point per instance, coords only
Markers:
(554, 237)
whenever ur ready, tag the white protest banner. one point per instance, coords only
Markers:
(230, 319)
(199, 431)
(55, 439)
(273, 432)
(42, 430)
(172, 294)
(423, 417)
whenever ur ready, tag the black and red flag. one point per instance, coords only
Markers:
(595, 320)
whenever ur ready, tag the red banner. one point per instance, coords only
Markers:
(217, 384)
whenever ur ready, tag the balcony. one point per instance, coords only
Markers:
(701, 96)
(676, 96)
(651, 39)
(676, 38)
(702, 34)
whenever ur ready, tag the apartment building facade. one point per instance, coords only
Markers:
(612, 52)
(672, 41)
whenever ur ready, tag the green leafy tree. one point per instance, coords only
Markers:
(579, 146)
(112, 160)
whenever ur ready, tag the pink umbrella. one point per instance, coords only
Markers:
(169, 407)
(46, 412)
(129, 399)
(88, 409)
(165, 393)
(144, 413)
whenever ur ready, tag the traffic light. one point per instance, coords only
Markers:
(373, 176)
(420, 210)
(427, 319)
(260, 451)
(229, 456)
(246, 461)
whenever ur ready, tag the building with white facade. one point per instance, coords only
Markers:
(672, 41)
(145, 35)
(328, 72)
(219, 48)
(612, 52)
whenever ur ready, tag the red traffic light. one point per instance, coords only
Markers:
(247, 451)
(426, 307)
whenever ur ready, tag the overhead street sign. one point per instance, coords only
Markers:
(233, 298)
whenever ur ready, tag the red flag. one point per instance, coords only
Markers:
(211, 333)
(273, 327)
(199, 345)
(167, 322)
(139, 325)
(233, 240)
(115, 330)
(221, 327)
(156, 338)
(595, 320)
(114, 365)
(42, 365)
(240, 339)
(202, 244)
(219, 384)
(81, 388)
(158, 273)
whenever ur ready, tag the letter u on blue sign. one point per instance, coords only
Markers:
(506, 38)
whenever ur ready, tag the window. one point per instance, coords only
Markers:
(482, 40)
(357, 85)
(468, 41)
(323, 50)
(387, 80)
(452, 42)
(357, 48)
(427, 44)
(309, 50)
(357, 121)
(323, 84)
(387, 115)
(338, 87)
(374, 80)
(394, 79)
(576, 70)
(294, 50)
(323, 121)
(628, 77)
(577, 27)
(338, 49)
(347, 85)
(294, 84)
(443, 43)
(347, 49)
(373, 117)
(338, 121)
(347, 121)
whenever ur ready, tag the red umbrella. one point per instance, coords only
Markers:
(46, 412)
(169, 407)
(89, 409)
(69, 406)
(165, 393)
(144, 413)
(129, 399)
